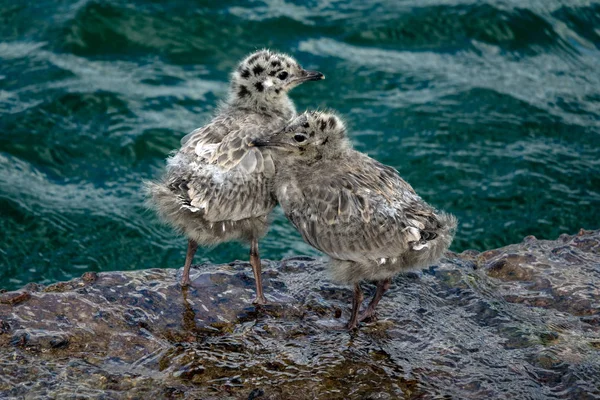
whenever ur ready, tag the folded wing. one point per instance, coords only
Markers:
(363, 213)
(224, 180)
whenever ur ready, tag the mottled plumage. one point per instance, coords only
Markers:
(217, 188)
(358, 211)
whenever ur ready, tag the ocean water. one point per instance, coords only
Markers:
(490, 109)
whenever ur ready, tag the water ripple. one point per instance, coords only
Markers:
(491, 110)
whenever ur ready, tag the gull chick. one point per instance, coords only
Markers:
(358, 211)
(217, 188)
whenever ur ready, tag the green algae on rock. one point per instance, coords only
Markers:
(522, 321)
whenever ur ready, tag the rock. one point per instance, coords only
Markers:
(14, 297)
(522, 321)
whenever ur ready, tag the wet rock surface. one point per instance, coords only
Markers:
(520, 322)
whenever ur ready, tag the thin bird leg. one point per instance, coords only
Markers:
(255, 262)
(191, 250)
(382, 287)
(356, 302)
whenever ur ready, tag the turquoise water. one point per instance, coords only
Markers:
(490, 109)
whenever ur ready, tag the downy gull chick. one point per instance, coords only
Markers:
(358, 211)
(216, 188)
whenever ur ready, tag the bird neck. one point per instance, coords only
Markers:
(313, 163)
(276, 104)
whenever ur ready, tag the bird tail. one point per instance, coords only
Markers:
(163, 200)
(428, 246)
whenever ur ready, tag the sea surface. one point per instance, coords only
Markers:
(490, 109)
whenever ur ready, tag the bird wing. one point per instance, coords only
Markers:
(367, 212)
(209, 135)
(228, 180)
(236, 153)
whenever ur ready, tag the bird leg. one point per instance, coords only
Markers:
(356, 302)
(255, 262)
(382, 287)
(191, 250)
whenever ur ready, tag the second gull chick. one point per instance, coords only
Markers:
(358, 211)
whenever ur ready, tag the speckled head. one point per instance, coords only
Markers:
(313, 134)
(265, 74)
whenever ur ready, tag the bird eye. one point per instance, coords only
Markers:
(299, 138)
(283, 75)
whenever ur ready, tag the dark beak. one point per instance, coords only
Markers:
(312, 76)
(259, 143)
(266, 142)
